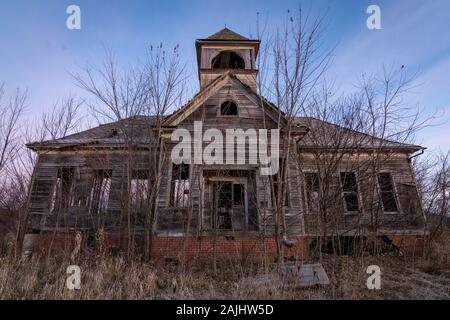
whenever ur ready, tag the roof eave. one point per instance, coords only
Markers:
(407, 149)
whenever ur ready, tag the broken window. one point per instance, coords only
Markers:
(101, 188)
(227, 60)
(139, 190)
(312, 186)
(387, 192)
(228, 108)
(180, 185)
(350, 191)
(62, 190)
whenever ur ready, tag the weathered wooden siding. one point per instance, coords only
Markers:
(84, 163)
(250, 117)
(371, 215)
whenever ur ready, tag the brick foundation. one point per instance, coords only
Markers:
(409, 245)
(192, 249)
(247, 248)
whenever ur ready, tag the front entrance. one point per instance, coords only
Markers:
(230, 204)
(229, 201)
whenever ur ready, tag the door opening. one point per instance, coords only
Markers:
(230, 205)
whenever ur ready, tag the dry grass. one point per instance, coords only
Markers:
(108, 277)
(117, 278)
(437, 257)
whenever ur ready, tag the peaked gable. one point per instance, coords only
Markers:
(214, 87)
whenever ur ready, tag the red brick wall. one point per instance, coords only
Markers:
(409, 245)
(201, 249)
(246, 248)
(192, 249)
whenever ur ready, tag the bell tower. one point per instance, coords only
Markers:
(225, 51)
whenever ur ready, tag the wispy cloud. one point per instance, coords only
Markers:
(415, 35)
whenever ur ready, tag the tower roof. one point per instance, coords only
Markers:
(227, 35)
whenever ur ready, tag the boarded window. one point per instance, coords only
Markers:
(350, 191)
(100, 191)
(228, 108)
(387, 192)
(228, 60)
(180, 185)
(62, 190)
(312, 187)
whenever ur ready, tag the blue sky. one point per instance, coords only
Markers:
(38, 51)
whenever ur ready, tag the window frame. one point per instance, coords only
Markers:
(139, 198)
(99, 196)
(219, 109)
(58, 198)
(394, 191)
(358, 193)
(305, 189)
(171, 200)
(233, 181)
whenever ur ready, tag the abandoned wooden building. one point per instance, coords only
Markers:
(105, 178)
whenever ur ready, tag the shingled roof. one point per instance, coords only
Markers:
(138, 128)
(227, 35)
(321, 134)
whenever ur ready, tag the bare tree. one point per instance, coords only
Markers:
(294, 64)
(62, 119)
(151, 90)
(11, 112)
(433, 176)
(351, 132)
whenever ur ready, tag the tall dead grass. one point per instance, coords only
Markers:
(115, 277)
(106, 278)
(437, 254)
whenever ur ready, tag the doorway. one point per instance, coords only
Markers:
(230, 204)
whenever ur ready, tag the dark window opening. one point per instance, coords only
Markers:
(101, 187)
(228, 108)
(228, 60)
(387, 192)
(312, 186)
(180, 185)
(62, 190)
(350, 191)
(224, 205)
(238, 194)
(139, 191)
